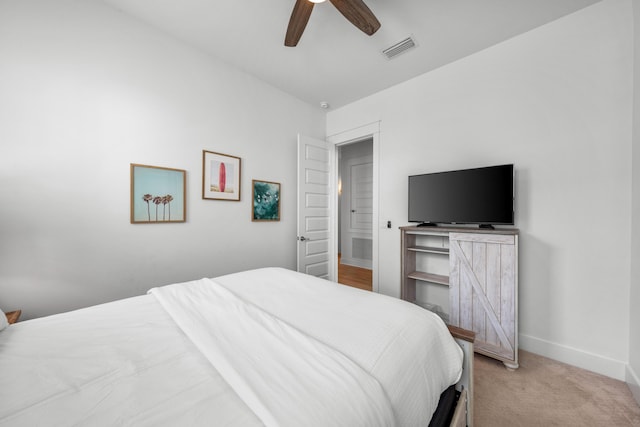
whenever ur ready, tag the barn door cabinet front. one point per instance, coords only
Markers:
(483, 292)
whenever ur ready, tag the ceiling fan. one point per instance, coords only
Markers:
(354, 10)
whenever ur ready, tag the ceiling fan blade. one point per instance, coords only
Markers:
(298, 21)
(358, 14)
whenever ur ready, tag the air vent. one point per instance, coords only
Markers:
(400, 47)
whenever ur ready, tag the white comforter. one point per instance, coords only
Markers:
(129, 363)
(286, 377)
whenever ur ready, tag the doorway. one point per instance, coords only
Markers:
(355, 213)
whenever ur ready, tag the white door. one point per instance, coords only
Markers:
(361, 174)
(315, 198)
(357, 196)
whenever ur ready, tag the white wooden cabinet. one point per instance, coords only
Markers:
(482, 282)
(483, 292)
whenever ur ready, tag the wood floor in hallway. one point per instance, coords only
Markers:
(357, 277)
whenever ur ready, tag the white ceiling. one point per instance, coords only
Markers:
(335, 62)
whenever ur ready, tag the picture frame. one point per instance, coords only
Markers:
(221, 176)
(158, 194)
(265, 201)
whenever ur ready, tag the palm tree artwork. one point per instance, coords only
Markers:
(168, 199)
(147, 198)
(165, 201)
(157, 200)
(163, 187)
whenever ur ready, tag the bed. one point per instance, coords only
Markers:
(262, 347)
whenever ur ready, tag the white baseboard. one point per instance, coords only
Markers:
(633, 381)
(572, 356)
(356, 262)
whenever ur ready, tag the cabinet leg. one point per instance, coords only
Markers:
(511, 366)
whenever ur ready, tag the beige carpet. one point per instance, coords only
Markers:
(543, 392)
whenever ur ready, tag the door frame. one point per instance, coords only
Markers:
(368, 131)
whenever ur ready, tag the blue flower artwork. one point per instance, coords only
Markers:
(266, 201)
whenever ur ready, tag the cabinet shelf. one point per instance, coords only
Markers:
(429, 277)
(429, 249)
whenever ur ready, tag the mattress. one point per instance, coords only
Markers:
(139, 361)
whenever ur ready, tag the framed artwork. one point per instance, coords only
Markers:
(157, 194)
(220, 176)
(265, 205)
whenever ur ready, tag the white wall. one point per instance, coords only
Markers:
(85, 91)
(556, 102)
(633, 373)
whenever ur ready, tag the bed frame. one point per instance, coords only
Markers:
(463, 413)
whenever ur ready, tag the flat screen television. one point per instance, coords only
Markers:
(483, 196)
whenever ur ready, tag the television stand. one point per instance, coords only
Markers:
(427, 224)
(469, 276)
(487, 226)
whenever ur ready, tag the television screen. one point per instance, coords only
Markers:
(469, 196)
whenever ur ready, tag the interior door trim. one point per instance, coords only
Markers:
(367, 131)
